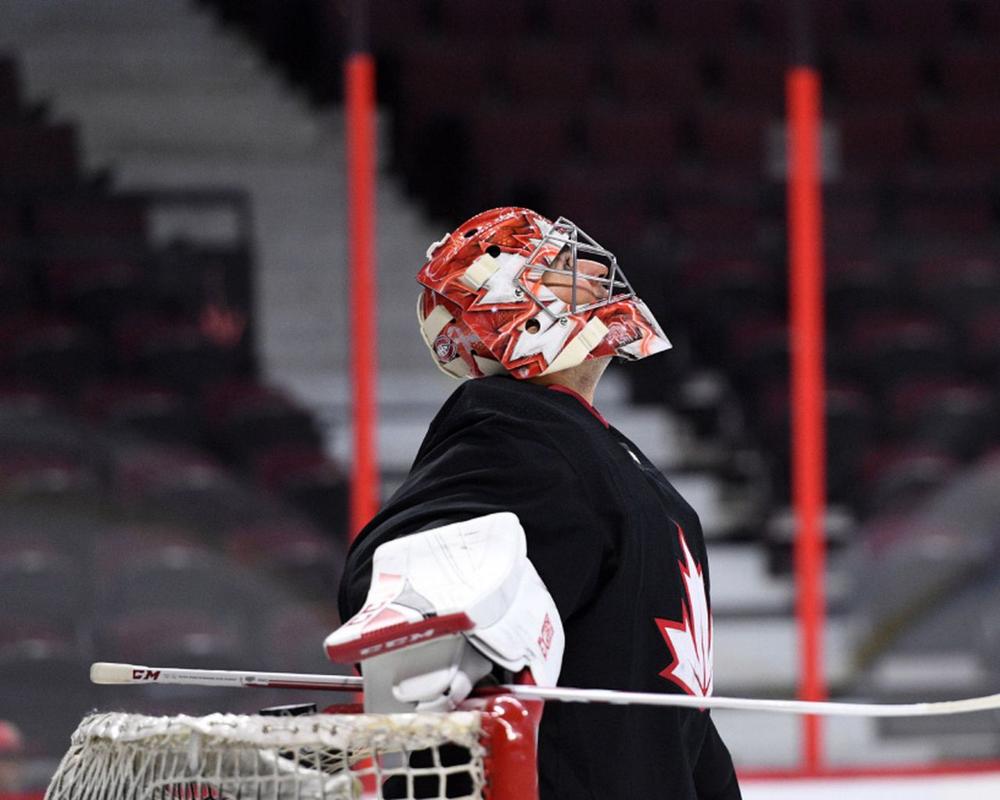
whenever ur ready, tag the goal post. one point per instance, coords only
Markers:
(485, 751)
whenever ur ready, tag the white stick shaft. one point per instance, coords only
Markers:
(746, 704)
(108, 672)
(105, 672)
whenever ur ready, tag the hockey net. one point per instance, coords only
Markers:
(484, 753)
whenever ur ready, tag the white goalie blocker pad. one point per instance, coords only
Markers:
(444, 606)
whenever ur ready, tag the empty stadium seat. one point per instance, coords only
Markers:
(734, 138)
(959, 287)
(982, 341)
(957, 417)
(875, 138)
(39, 578)
(964, 136)
(515, 143)
(174, 578)
(94, 290)
(720, 20)
(897, 479)
(37, 155)
(295, 553)
(58, 355)
(87, 217)
(244, 419)
(309, 480)
(533, 72)
(622, 136)
(754, 76)
(53, 693)
(923, 20)
(971, 216)
(854, 66)
(486, 21)
(10, 88)
(669, 77)
(291, 636)
(890, 346)
(970, 74)
(857, 285)
(590, 19)
(10, 221)
(145, 409)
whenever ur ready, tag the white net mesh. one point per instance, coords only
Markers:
(332, 756)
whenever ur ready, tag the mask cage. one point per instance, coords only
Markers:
(547, 259)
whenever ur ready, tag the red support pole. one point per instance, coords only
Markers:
(808, 415)
(359, 94)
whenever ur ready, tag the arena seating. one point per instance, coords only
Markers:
(131, 425)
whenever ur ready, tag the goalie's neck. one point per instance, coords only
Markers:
(557, 387)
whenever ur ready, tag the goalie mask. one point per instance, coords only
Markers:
(510, 291)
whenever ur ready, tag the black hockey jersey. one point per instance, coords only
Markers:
(624, 558)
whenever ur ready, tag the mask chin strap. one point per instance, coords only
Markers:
(579, 348)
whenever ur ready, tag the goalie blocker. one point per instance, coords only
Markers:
(443, 607)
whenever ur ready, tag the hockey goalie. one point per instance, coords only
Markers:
(532, 537)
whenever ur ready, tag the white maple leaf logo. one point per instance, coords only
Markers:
(690, 640)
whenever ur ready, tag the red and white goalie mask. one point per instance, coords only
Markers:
(511, 291)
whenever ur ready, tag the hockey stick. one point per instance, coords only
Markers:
(107, 672)
(110, 673)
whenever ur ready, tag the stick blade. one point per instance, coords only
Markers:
(108, 672)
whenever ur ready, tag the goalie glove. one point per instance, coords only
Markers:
(444, 606)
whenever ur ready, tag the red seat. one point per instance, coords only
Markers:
(971, 74)
(159, 635)
(245, 419)
(37, 155)
(655, 74)
(631, 136)
(591, 19)
(897, 478)
(395, 25)
(856, 285)
(735, 138)
(728, 286)
(959, 417)
(965, 136)
(757, 346)
(10, 222)
(855, 67)
(40, 577)
(982, 340)
(717, 21)
(890, 346)
(607, 200)
(754, 75)
(922, 20)
(534, 72)
(875, 138)
(58, 355)
(467, 21)
(291, 551)
(147, 409)
(10, 88)
(512, 143)
(969, 216)
(705, 221)
(90, 217)
(437, 78)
